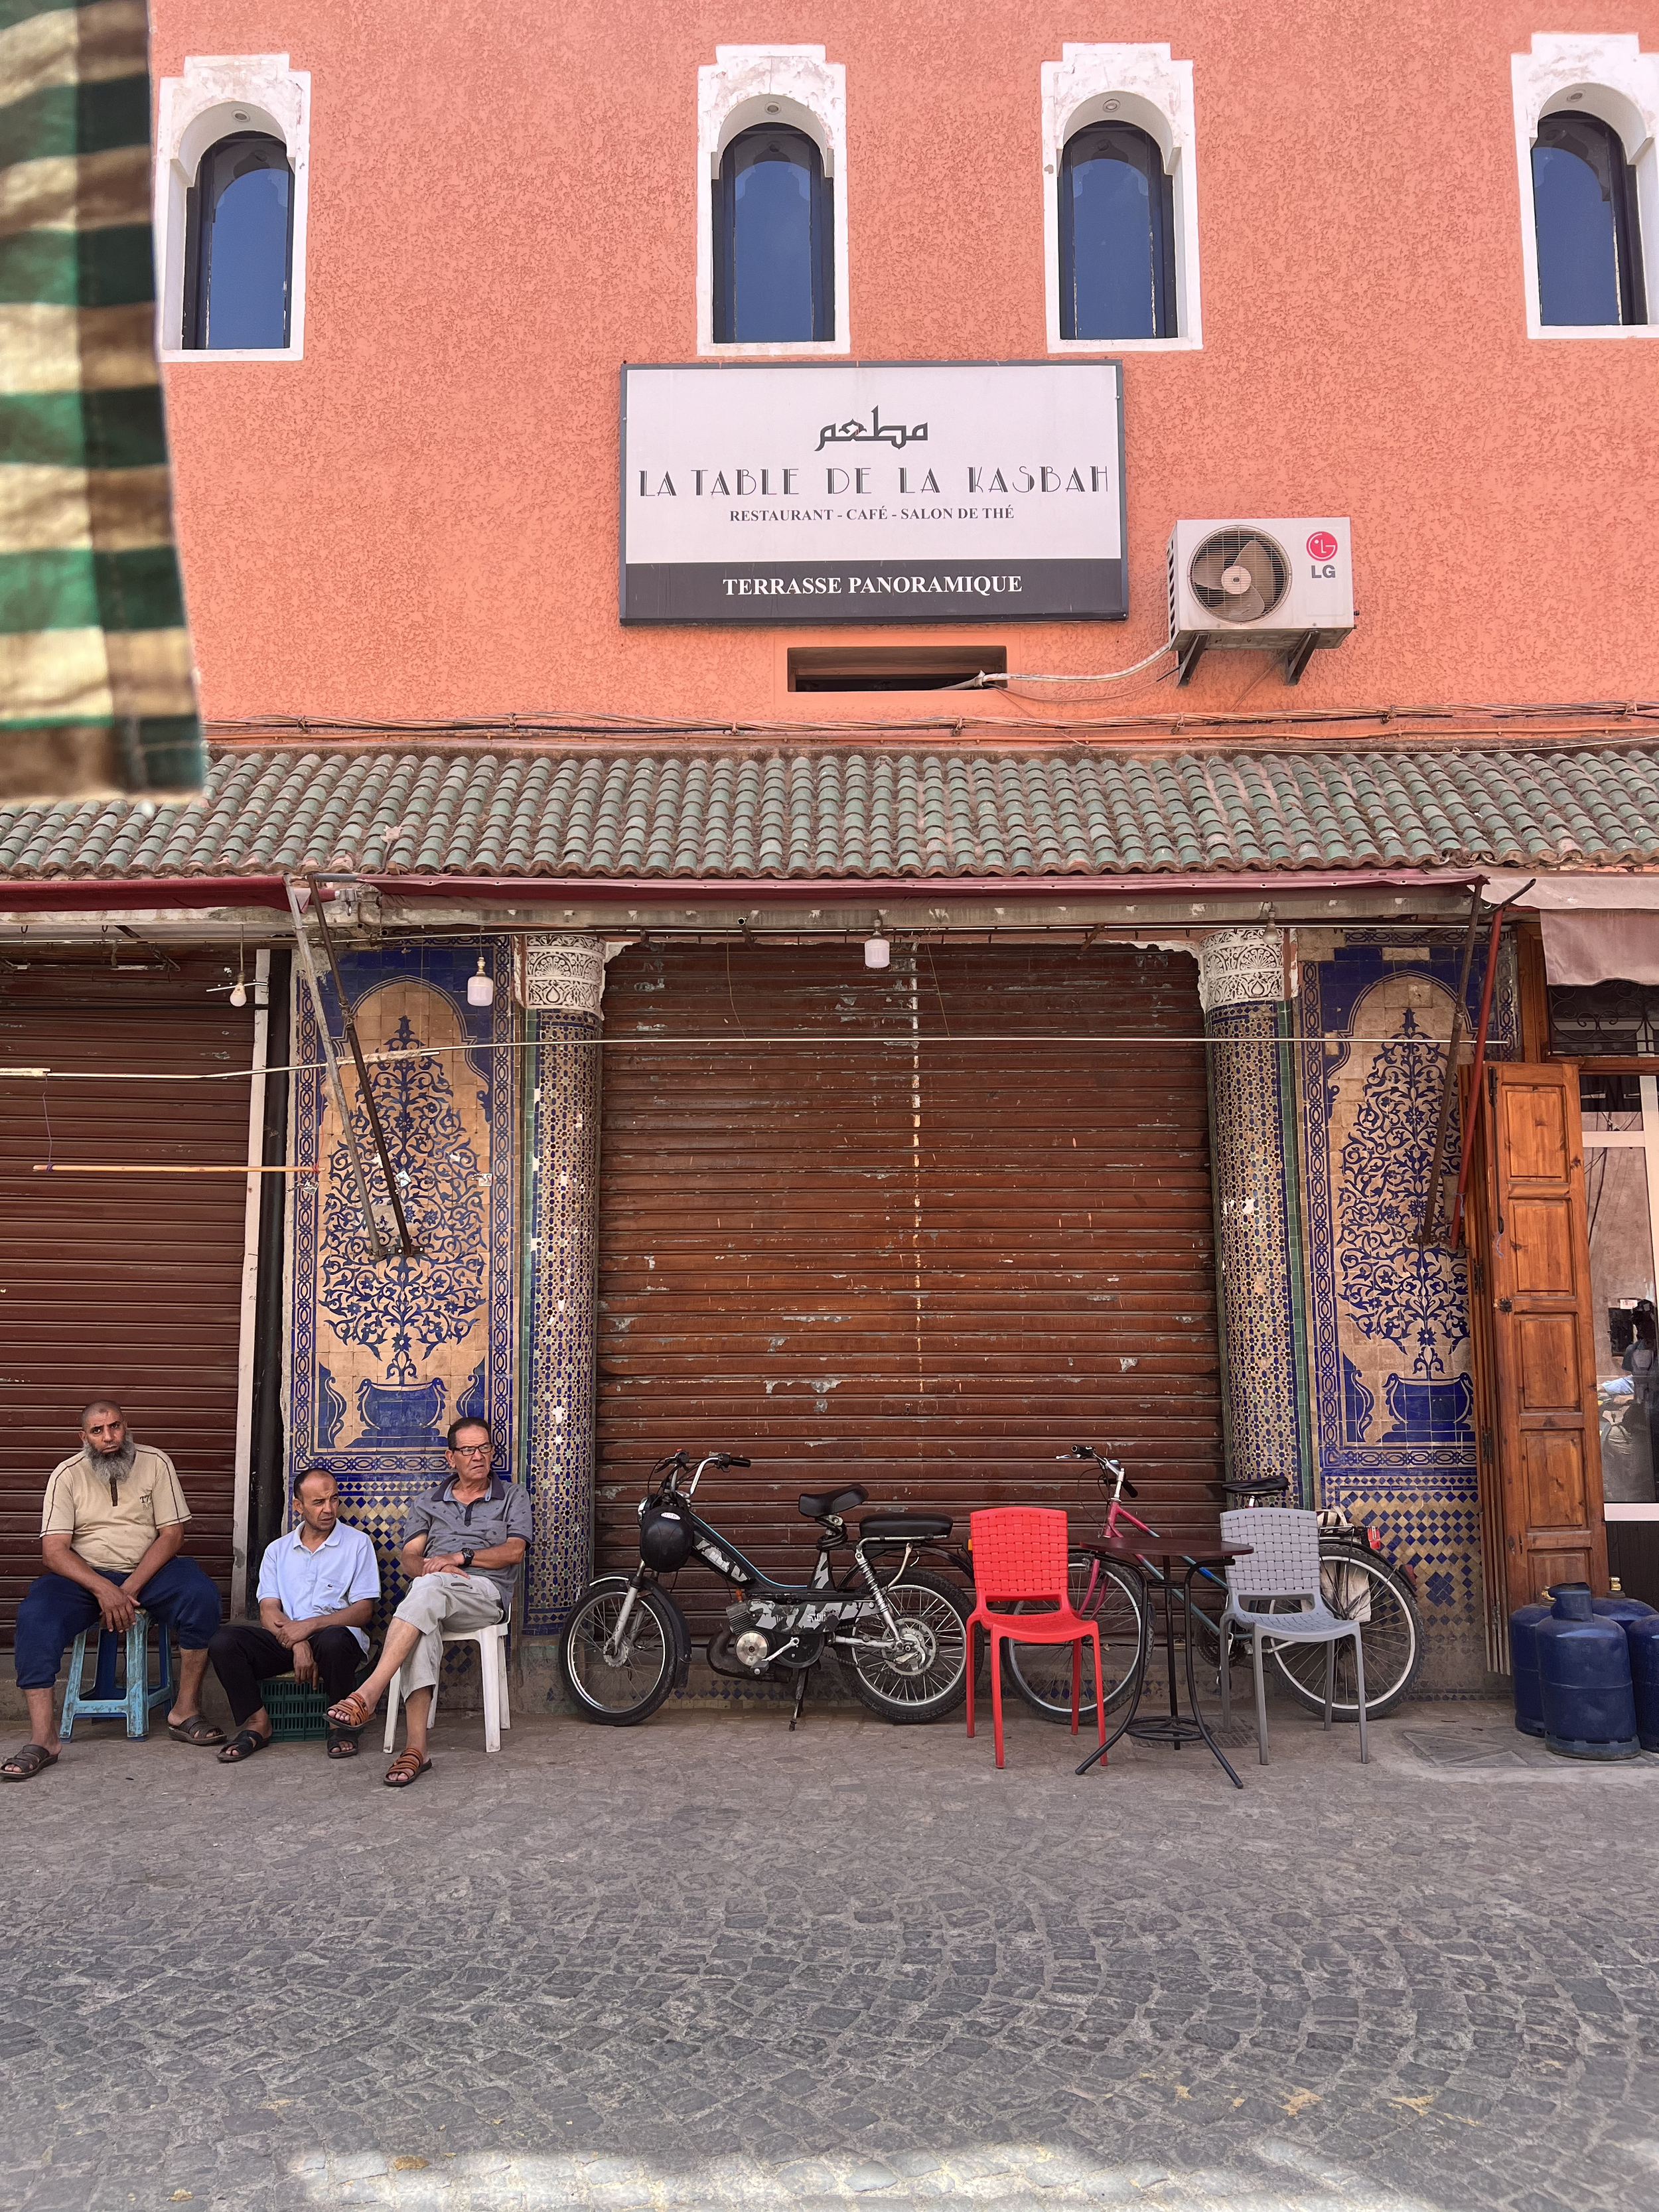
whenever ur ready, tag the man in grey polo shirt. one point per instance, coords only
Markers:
(462, 1547)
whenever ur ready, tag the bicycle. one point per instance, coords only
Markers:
(900, 1633)
(1356, 1583)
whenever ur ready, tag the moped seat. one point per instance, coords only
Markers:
(816, 1504)
(913, 1527)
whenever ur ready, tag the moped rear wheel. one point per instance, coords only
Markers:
(927, 1675)
(619, 1685)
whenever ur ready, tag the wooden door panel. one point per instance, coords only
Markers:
(1532, 1340)
(1546, 1363)
(1535, 1131)
(1554, 1461)
(1540, 1235)
(1547, 1568)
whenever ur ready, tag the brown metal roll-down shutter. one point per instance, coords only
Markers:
(927, 1265)
(126, 1284)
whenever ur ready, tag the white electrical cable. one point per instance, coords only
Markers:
(984, 679)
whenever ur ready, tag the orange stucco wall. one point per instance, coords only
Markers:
(420, 518)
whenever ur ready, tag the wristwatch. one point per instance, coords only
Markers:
(466, 1561)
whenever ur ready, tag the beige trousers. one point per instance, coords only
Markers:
(437, 1602)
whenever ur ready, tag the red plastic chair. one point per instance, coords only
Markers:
(1019, 1553)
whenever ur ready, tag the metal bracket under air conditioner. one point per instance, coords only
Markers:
(1298, 656)
(1189, 656)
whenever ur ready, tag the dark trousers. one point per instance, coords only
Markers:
(244, 1656)
(55, 1610)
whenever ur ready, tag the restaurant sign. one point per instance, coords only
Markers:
(873, 492)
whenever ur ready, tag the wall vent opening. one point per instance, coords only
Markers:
(903, 668)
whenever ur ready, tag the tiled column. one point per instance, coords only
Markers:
(1247, 1019)
(563, 985)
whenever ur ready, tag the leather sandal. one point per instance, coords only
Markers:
(353, 1711)
(242, 1746)
(34, 1758)
(195, 1728)
(408, 1766)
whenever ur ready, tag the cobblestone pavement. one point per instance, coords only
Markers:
(707, 1964)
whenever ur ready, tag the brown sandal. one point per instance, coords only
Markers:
(23, 1765)
(408, 1766)
(353, 1711)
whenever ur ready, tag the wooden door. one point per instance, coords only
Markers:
(1529, 1266)
(921, 1228)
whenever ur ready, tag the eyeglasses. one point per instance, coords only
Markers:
(471, 1451)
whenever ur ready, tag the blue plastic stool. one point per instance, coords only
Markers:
(132, 1706)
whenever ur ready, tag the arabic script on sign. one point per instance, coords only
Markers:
(855, 433)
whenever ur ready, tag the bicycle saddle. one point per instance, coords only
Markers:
(913, 1526)
(817, 1505)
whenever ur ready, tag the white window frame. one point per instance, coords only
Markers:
(1144, 86)
(1610, 77)
(219, 93)
(749, 85)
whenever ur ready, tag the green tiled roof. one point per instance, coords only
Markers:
(862, 812)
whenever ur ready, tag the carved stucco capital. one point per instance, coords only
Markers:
(1241, 968)
(563, 974)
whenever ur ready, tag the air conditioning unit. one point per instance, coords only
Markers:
(1274, 584)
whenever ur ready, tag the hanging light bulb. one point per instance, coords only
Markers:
(877, 951)
(480, 991)
(239, 993)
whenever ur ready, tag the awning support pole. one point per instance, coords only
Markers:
(406, 1243)
(1432, 1196)
(1455, 1231)
(300, 937)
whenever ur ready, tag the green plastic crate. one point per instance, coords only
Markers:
(298, 1716)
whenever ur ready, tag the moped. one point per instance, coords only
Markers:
(898, 1631)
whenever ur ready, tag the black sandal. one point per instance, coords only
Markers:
(342, 1743)
(197, 1730)
(242, 1746)
(23, 1765)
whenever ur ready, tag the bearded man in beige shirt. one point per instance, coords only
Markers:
(111, 1527)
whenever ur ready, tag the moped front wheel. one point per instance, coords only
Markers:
(619, 1681)
(924, 1674)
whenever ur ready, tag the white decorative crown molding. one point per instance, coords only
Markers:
(563, 975)
(1241, 968)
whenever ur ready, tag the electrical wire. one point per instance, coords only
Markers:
(699, 1042)
(985, 679)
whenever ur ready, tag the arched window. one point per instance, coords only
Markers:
(1117, 272)
(773, 242)
(238, 245)
(1583, 196)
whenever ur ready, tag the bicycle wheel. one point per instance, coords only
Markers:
(1359, 1586)
(617, 1688)
(1110, 1596)
(926, 1676)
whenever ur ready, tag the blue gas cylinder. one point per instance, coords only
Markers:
(1583, 1672)
(1625, 1610)
(1523, 1667)
(1642, 1640)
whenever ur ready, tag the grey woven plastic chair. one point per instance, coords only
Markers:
(1283, 1565)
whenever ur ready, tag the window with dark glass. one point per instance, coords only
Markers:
(1116, 236)
(773, 242)
(238, 245)
(1583, 196)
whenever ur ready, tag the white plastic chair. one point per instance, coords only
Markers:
(1283, 1565)
(492, 1672)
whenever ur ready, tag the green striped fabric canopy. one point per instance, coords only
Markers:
(97, 691)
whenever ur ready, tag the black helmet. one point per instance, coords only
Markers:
(665, 1534)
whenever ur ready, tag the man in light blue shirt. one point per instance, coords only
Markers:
(318, 1585)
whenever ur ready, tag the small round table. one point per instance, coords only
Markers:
(1175, 1727)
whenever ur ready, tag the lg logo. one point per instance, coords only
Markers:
(1321, 552)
